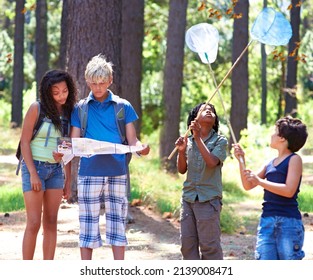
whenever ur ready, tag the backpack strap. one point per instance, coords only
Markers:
(120, 120)
(40, 116)
(83, 114)
(121, 125)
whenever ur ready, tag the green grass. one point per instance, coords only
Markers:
(11, 199)
(305, 198)
(155, 187)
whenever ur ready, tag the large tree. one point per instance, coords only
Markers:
(41, 44)
(291, 83)
(64, 28)
(173, 79)
(18, 67)
(93, 28)
(239, 87)
(132, 39)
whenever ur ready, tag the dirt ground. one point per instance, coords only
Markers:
(151, 237)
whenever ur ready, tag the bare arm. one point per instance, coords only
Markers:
(26, 136)
(210, 159)
(292, 181)
(181, 144)
(246, 174)
(132, 139)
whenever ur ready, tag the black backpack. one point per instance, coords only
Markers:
(40, 118)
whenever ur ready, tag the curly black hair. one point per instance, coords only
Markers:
(50, 78)
(294, 131)
(194, 112)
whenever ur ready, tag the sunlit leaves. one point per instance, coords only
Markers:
(278, 54)
(9, 57)
(217, 12)
(298, 5)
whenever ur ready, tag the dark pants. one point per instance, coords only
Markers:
(200, 230)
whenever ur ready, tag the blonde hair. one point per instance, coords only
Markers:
(98, 70)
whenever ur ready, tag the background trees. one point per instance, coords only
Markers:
(41, 43)
(173, 79)
(18, 67)
(93, 28)
(162, 79)
(240, 79)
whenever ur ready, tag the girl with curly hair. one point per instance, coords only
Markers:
(43, 179)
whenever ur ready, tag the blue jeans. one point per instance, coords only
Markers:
(50, 174)
(279, 238)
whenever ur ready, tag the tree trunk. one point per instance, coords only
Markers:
(18, 67)
(64, 33)
(264, 85)
(41, 43)
(264, 79)
(93, 28)
(132, 39)
(291, 84)
(240, 83)
(173, 79)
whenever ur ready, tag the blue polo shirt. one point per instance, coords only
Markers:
(102, 126)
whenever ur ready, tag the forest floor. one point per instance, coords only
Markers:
(150, 237)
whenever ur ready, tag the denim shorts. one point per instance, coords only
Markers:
(50, 174)
(280, 238)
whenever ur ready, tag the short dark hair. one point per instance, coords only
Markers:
(294, 131)
(194, 112)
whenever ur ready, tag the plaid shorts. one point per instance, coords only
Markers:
(90, 194)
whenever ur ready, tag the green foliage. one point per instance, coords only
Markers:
(229, 220)
(11, 199)
(305, 198)
(255, 141)
(151, 102)
(6, 64)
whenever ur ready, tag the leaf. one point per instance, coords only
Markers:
(229, 11)
(202, 7)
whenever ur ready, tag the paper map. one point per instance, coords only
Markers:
(86, 147)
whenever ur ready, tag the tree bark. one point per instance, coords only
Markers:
(41, 43)
(173, 79)
(93, 28)
(240, 82)
(132, 39)
(18, 66)
(292, 63)
(64, 33)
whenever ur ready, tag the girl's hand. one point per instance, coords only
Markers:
(251, 177)
(196, 128)
(35, 182)
(67, 190)
(181, 144)
(57, 156)
(238, 151)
